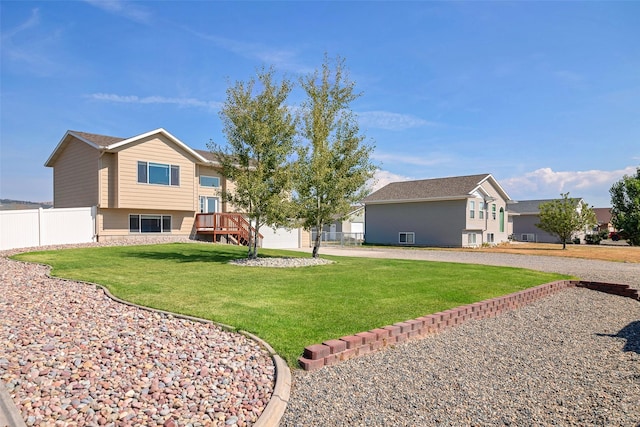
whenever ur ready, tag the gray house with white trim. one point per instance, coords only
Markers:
(462, 211)
(523, 217)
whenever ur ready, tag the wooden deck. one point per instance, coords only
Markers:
(233, 227)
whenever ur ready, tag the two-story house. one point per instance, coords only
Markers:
(149, 183)
(462, 211)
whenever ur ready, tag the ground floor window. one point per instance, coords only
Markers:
(471, 238)
(406, 238)
(491, 238)
(150, 223)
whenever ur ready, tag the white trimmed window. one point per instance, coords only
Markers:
(406, 237)
(158, 173)
(493, 211)
(528, 237)
(491, 238)
(149, 223)
(209, 181)
(472, 209)
(471, 238)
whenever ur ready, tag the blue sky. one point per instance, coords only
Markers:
(543, 95)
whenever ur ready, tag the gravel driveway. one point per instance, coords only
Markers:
(572, 359)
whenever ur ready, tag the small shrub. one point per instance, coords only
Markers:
(592, 239)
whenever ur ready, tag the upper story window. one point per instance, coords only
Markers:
(472, 209)
(158, 173)
(481, 209)
(209, 181)
(493, 211)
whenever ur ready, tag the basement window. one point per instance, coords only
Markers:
(406, 237)
(150, 223)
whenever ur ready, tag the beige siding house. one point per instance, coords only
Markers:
(149, 183)
(463, 211)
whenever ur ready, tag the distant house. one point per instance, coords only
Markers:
(351, 228)
(523, 217)
(463, 211)
(603, 215)
(151, 183)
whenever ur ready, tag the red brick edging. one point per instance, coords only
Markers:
(337, 350)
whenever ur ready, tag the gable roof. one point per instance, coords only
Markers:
(532, 207)
(111, 143)
(603, 215)
(457, 187)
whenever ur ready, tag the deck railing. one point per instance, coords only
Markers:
(233, 226)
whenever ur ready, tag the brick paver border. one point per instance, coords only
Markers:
(338, 350)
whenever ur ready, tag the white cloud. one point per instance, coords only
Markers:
(430, 160)
(545, 183)
(133, 99)
(123, 8)
(383, 177)
(284, 59)
(391, 121)
(31, 22)
(31, 46)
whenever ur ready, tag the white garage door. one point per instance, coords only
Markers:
(280, 239)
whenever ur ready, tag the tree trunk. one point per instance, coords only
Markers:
(316, 244)
(253, 238)
(256, 236)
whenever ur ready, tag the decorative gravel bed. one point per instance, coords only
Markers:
(282, 262)
(73, 356)
(571, 359)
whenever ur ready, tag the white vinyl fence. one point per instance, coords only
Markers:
(334, 238)
(41, 227)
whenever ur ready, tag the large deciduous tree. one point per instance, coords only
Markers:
(564, 217)
(334, 163)
(625, 210)
(260, 132)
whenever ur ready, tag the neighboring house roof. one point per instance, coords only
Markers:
(603, 215)
(458, 187)
(111, 143)
(531, 207)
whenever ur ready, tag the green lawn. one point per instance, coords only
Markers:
(289, 308)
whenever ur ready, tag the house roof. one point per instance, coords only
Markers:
(531, 207)
(603, 215)
(94, 139)
(111, 143)
(207, 155)
(458, 187)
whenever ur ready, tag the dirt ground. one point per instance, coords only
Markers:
(617, 253)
